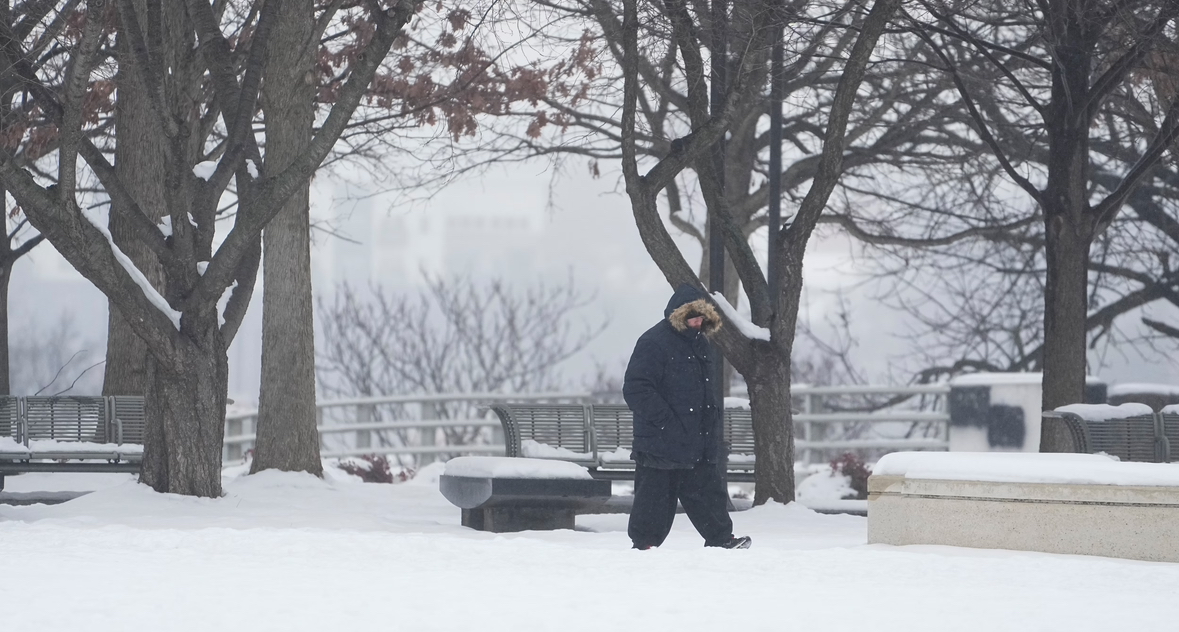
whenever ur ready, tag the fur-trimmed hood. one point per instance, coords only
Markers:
(686, 300)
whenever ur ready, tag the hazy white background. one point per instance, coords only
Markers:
(522, 225)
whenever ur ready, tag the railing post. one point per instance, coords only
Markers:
(233, 429)
(319, 424)
(808, 408)
(365, 413)
(429, 413)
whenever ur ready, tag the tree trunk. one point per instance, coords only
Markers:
(186, 413)
(1067, 217)
(769, 392)
(773, 429)
(287, 438)
(1065, 310)
(5, 276)
(140, 162)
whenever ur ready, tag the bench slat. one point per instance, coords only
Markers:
(9, 417)
(1170, 423)
(66, 418)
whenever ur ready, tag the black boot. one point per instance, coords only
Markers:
(742, 542)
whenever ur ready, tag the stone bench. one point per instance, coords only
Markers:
(506, 494)
(1054, 503)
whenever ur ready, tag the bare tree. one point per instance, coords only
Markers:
(287, 438)
(1038, 84)
(453, 336)
(140, 155)
(764, 361)
(26, 136)
(962, 248)
(576, 115)
(442, 73)
(184, 329)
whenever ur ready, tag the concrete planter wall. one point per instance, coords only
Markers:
(1138, 522)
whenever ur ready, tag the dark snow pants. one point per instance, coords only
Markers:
(700, 490)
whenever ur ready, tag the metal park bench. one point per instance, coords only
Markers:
(71, 434)
(1150, 438)
(599, 437)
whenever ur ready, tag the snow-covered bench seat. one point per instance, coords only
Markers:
(505, 494)
(1131, 432)
(1055, 503)
(71, 434)
(598, 436)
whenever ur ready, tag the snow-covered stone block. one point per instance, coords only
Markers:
(504, 494)
(1054, 503)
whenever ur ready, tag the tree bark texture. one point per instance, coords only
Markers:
(287, 438)
(5, 276)
(186, 413)
(1069, 218)
(1065, 312)
(140, 163)
(773, 428)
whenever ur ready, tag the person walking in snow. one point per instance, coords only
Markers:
(677, 426)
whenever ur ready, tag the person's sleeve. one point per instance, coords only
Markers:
(640, 387)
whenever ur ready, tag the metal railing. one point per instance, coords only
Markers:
(416, 429)
(837, 419)
(413, 429)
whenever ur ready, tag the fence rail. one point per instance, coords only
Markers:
(417, 429)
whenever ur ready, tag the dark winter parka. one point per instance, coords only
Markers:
(668, 384)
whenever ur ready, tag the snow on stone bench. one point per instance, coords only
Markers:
(503, 494)
(1056, 503)
(505, 467)
(1020, 467)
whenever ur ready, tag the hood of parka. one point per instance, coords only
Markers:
(689, 300)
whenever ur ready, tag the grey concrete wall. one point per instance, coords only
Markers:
(1140, 523)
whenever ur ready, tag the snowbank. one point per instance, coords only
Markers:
(289, 552)
(825, 486)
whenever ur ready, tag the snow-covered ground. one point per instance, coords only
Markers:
(291, 552)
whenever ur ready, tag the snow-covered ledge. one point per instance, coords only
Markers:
(1082, 504)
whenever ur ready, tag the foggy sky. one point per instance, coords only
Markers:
(518, 223)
